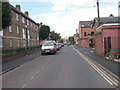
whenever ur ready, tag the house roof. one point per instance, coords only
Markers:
(19, 12)
(111, 19)
(85, 24)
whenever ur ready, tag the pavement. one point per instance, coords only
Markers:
(66, 69)
(14, 63)
(112, 66)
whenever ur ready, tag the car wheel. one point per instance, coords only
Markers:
(42, 53)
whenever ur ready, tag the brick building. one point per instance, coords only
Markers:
(22, 33)
(107, 35)
(86, 34)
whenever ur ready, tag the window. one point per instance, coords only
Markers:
(83, 25)
(18, 41)
(18, 29)
(10, 28)
(31, 24)
(10, 43)
(27, 22)
(37, 36)
(24, 33)
(28, 34)
(85, 34)
(24, 43)
(92, 33)
(23, 20)
(17, 18)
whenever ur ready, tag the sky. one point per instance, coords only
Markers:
(63, 16)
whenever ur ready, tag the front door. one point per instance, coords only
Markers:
(109, 43)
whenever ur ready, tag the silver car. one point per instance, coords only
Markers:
(48, 47)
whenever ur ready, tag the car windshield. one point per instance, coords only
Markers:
(48, 44)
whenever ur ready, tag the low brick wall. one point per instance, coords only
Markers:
(84, 42)
(18, 55)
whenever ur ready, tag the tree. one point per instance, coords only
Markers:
(44, 31)
(71, 39)
(54, 35)
(6, 15)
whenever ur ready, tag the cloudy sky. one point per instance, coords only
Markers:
(63, 16)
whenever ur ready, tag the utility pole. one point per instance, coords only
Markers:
(98, 12)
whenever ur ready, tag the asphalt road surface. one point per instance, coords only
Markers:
(66, 69)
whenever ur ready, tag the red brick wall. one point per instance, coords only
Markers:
(84, 42)
(87, 30)
(99, 45)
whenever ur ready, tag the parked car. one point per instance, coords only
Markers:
(48, 47)
(57, 46)
(61, 45)
(68, 43)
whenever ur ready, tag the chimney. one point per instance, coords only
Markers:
(41, 24)
(18, 7)
(26, 13)
(111, 15)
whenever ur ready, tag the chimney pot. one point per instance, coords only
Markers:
(111, 15)
(26, 13)
(18, 7)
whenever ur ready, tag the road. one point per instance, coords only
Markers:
(66, 69)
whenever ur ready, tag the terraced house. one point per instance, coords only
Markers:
(22, 33)
(86, 34)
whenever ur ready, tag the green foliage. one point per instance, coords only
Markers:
(54, 36)
(6, 15)
(44, 32)
(71, 39)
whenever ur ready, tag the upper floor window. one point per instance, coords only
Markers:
(24, 34)
(31, 24)
(17, 17)
(23, 20)
(92, 33)
(27, 22)
(10, 28)
(85, 34)
(28, 32)
(18, 30)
